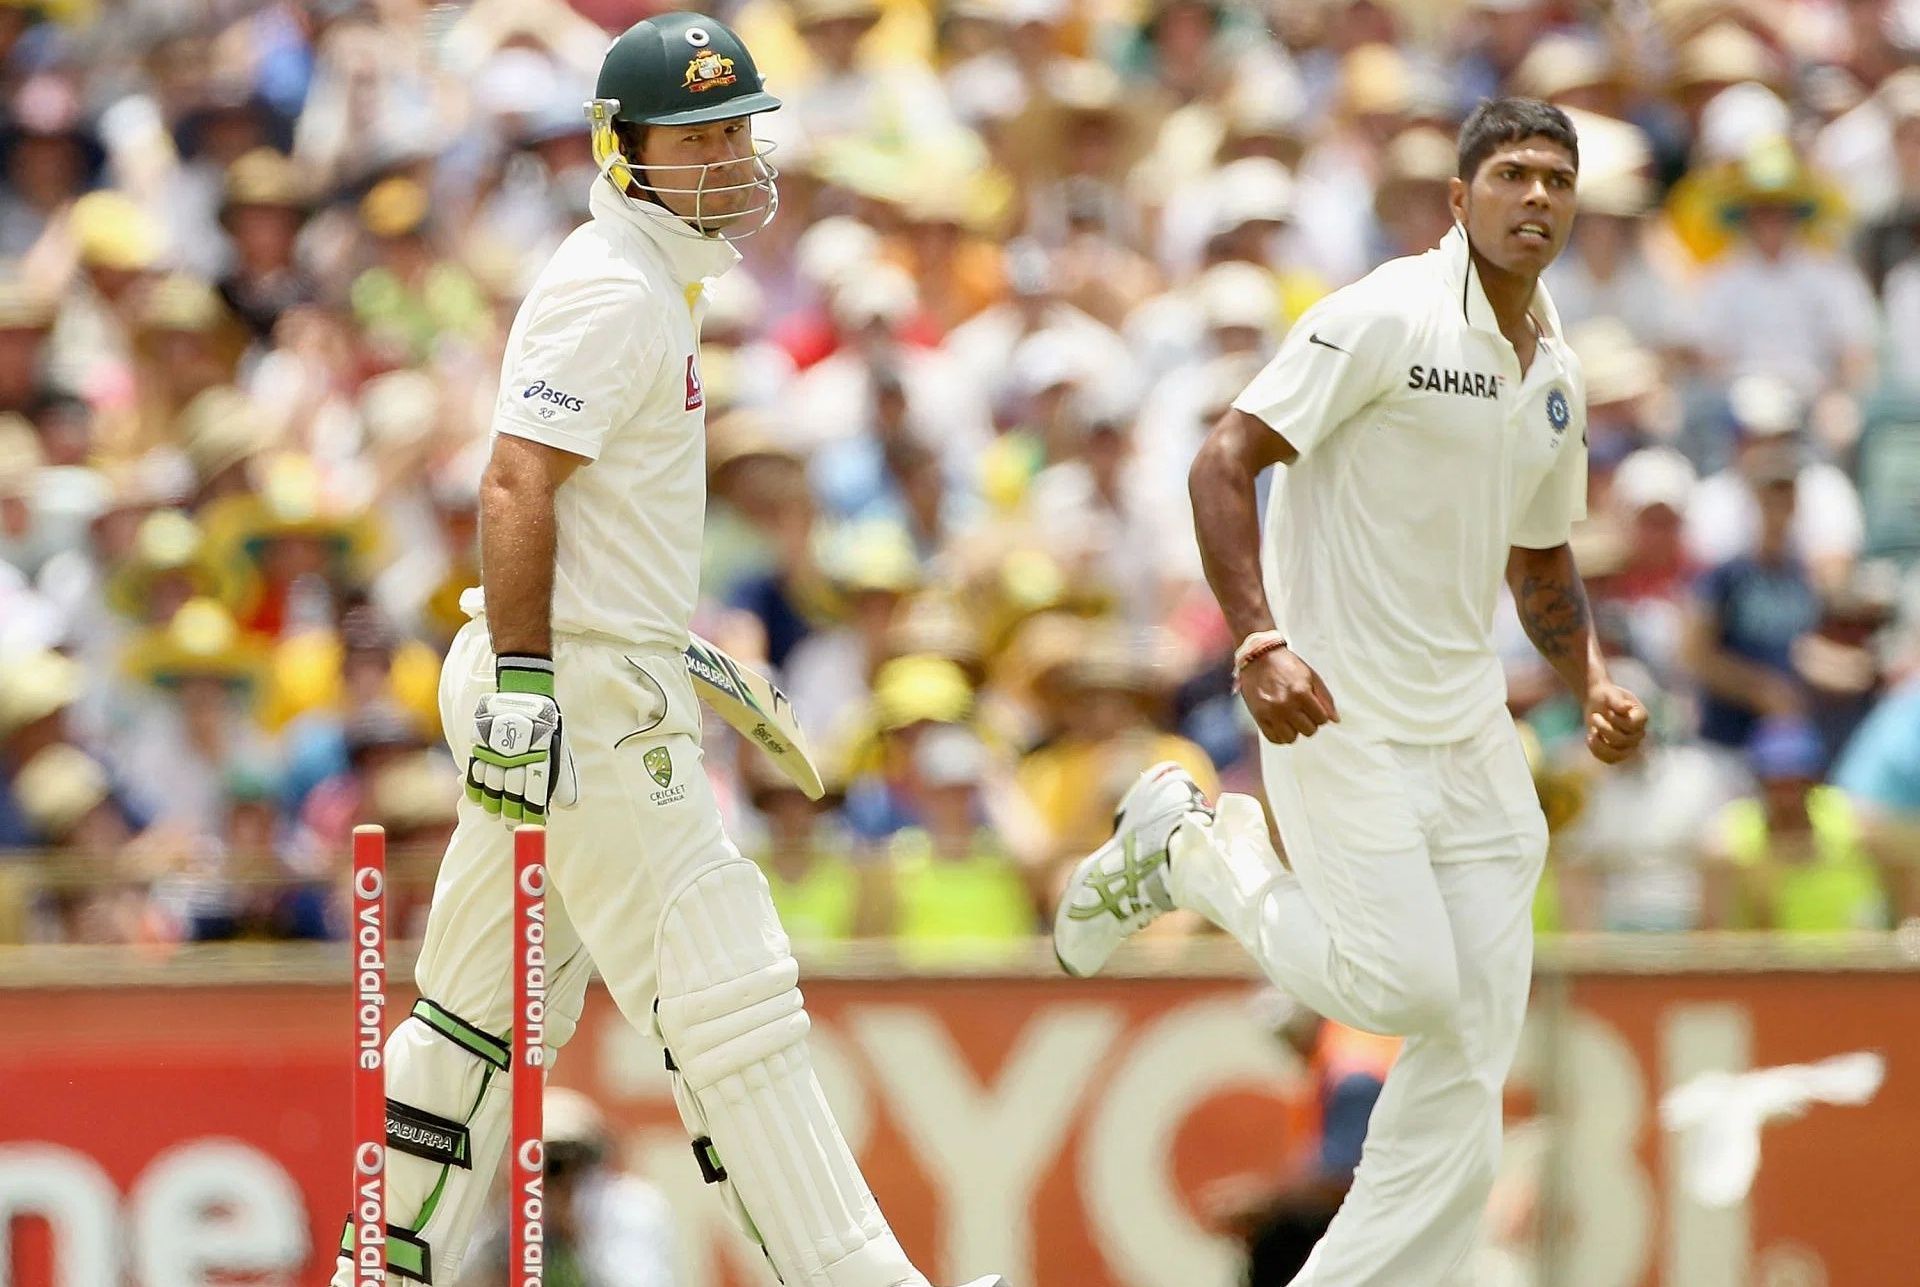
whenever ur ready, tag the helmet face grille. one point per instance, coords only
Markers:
(755, 174)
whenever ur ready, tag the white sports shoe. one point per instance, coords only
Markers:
(1122, 886)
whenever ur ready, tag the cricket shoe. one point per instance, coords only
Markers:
(1121, 887)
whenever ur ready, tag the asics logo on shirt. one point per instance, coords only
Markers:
(547, 393)
(1471, 384)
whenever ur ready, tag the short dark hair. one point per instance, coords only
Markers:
(1499, 121)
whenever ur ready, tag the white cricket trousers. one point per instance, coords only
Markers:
(644, 884)
(1409, 913)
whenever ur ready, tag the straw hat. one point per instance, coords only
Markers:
(1253, 189)
(418, 791)
(935, 625)
(1237, 294)
(20, 454)
(36, 686)
(110, 230)
(58, 788)
(395, 207)
(264, 177)
(292, 501)
(1724, 54)
(201, 642)
(872, 557)
(1374, 81)
(744, 434)
(920, 689)
(178, 302)
(1654, 476)
(1421, 157)
(807, 13)
(399, 408)
(219, 428)
(1560, 64)
(168, 541)
(1617, 368)
(22, 308)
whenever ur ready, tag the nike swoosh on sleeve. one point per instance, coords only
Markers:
(1315, 339)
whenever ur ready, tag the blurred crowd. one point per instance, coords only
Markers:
(258, 261)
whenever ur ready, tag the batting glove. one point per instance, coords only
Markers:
(519, 762)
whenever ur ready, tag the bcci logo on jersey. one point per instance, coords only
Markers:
(1558, 413)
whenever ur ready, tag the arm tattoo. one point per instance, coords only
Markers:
(1553, 608)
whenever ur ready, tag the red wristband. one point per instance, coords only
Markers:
(1256, 645)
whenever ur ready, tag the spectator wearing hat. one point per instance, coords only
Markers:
(36, 691)
(1650, 496)
(950, 887)
(20, 464)
(1724, 515)
(1112, 519)
(1879, 769)
(185, 342)
(761, 559)
(840, 90)
(1410, 203)
(1373, 103)
(48, 155)
(1793, 859)
(824, 898)
(326, 681)
(873, 568)
(1776, 302)
(1607, 270)
(77, 819)
(413, 298)
(911, 696)
(1629, 859)
(26, 321)
(204, 676)
(308, 544)
(372, 736)
(874, 323)
(262, 210)
(1748, 615)
(983, 347)
(1103, 701)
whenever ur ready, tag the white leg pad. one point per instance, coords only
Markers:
(732, 1018)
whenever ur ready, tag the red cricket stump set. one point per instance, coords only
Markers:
(526, 1149)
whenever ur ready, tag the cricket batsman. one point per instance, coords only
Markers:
(1432, 423)
(568, 690)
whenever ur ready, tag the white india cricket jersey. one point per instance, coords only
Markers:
(1424, 456)
(603, 362)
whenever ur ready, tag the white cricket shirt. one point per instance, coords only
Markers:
(1424, 456)
(603, 362)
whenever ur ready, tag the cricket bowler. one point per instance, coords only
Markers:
(1432, 424)
(568, 689)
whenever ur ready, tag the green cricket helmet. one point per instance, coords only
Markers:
(681, 69)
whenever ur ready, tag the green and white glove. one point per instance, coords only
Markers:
(519, 766)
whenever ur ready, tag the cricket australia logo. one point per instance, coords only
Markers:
(707, 70)
(1558, 412)
(658, 762)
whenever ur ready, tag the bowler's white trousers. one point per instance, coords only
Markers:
(1408, 913)
(644, 884)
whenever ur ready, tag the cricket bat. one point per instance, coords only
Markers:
(761, 713)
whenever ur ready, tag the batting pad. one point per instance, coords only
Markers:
(735, 1028)
(449, 1110)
